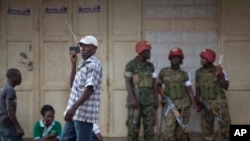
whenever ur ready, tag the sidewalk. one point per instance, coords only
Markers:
(194, 130)
(193, 137)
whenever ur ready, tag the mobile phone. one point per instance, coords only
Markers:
(74, 48)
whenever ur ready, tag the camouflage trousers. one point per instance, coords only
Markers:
(148, 120)
(173, 131)
(221, 107)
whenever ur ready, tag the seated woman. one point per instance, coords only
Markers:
(47, 129)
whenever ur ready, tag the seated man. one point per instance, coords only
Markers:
(97, 136)
(47, 129)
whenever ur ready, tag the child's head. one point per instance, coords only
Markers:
(48, 113)
(14, 76)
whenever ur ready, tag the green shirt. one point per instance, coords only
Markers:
(41, 131)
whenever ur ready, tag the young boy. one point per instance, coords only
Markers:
(10, 128)
(211, 83)
(47, 129)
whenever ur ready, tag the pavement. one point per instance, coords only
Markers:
(193, 137)
(194, 130)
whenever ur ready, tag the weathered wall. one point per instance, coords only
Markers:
(189, 24)
(235, 43)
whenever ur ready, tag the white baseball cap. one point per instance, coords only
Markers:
(89, 40)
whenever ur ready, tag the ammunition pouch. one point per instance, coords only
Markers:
(145, 80)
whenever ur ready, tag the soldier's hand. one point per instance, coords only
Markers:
(134, 103)
(219, 71)
(198, 108)
(194, 105)
(163, 102)
(156, 106)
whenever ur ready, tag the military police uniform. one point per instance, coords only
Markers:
(212, 93)
(144, 71)
(175, 82)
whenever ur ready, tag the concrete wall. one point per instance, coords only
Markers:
(189, 24)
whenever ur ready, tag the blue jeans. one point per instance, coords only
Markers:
(77, 131)
(9, 134)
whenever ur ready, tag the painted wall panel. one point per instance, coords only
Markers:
(58, 99)
(18, 24)
(236, 17)
(123, 53)
(54, 21)
(237, 64)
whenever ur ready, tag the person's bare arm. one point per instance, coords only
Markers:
(10, 103)
(70, 113)
(162, 94)
(73, 58)
(191, 96)
(88, 91)
(99, 136)
(129, 87)
(197, 98)
(156, 94)
(223, 82)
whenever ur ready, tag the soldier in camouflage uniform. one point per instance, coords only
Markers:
(178, 87)
(211, 83)
(147, 103)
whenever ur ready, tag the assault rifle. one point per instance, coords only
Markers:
(209, 111)
(170, 106)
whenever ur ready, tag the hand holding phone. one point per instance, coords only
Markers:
(75, 49)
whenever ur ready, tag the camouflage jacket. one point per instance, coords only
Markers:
(174, 81)
(145, 79)
(208, 83)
